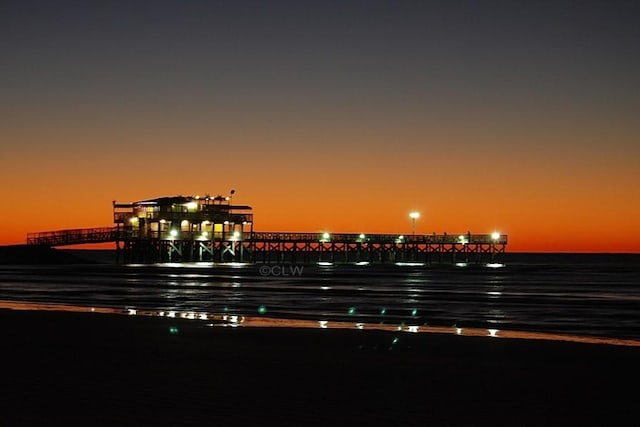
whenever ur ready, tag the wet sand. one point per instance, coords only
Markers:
(105, 369)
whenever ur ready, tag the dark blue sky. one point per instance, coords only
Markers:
(409, 50)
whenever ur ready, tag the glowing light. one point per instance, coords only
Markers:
(360, 325)
(173, 233)
(323, 324)
(192, 206)
(173, 330)
(203, 316)
(262, 309)
(414, 329)
(461, 264)
(326, 236)
(236, 234)
(171, 314)
(132, 312)
(362, 263)
(493, 332)
(414, 311)
(414, 216)
(325, 263)
(352, 311)
(133, 220)
(383, 311)
(458, 331)
(495, 235)
(409, 264)
(495, 265)
(361, 236)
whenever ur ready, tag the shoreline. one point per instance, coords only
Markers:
(81, 368)
(230, 320)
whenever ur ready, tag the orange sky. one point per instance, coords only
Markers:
(542, 203)
(480, 119)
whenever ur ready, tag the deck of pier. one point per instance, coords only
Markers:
(284, 247)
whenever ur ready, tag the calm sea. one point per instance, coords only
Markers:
(578, 294)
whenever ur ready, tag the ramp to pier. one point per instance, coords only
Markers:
(73, 237)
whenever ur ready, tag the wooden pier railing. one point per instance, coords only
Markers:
(113, 234)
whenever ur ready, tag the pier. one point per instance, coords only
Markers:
(211, 229)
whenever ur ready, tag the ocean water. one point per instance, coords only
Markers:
(591, 295)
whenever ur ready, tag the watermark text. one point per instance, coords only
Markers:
(281, 270)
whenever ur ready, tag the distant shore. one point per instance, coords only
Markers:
(43, 255)
(87, 368)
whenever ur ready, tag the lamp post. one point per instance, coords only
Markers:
(495, 236)
(414, 216)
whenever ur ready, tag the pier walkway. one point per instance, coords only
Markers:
(283, 247)
(77, 236)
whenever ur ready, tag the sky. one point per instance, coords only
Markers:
(345, 116)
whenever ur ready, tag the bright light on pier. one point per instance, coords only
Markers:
(414, 215)
(495, 235)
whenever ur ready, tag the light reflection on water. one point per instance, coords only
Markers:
(566, 301)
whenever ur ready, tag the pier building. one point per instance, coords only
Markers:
(181, 228)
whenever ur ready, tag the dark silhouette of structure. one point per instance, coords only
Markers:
(211, 229)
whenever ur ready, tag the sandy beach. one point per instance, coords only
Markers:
(105, 369)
